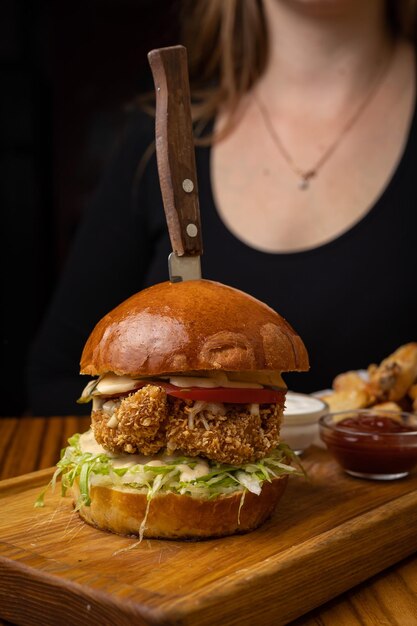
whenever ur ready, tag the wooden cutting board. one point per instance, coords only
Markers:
(328, 533)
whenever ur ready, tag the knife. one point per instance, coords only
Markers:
(176, 161)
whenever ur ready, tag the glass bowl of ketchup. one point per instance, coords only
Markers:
(370, 443)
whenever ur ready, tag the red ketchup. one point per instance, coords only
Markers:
(375, 424)
(373, 445)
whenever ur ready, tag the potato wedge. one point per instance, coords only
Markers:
(412, 392)
(395, 374)
(346, 399)
(387, 406)
(349, 381)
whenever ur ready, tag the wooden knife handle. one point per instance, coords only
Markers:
(175, 149)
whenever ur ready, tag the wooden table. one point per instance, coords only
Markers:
(389, 598)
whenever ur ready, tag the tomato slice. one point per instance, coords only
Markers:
(232, 395)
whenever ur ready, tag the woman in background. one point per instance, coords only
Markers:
(306, 163)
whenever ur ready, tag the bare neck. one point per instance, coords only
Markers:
(330, 48)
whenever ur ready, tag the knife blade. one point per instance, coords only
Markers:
(175, 155)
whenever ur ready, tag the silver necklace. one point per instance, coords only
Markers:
(305, 176)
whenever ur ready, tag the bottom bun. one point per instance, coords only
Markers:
(172, 516)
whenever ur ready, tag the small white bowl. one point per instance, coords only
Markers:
(299, 428)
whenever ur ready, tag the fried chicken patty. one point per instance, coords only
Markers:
(149, 421)
(141, 419)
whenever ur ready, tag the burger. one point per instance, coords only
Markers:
(187, 400)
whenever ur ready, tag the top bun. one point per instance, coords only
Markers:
(192, 326)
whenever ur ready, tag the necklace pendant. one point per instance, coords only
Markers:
(304, 182)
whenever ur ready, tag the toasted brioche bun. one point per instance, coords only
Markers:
(172, 516)
(192, 326)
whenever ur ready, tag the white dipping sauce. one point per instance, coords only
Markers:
(302, 404)
(300, 421)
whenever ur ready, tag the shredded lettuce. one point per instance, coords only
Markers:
(221, 479)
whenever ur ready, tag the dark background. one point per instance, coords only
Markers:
(68, 69)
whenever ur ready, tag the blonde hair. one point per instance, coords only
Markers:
(228, 48)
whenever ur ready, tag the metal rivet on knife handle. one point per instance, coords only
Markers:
(192, 230)
(187, 185)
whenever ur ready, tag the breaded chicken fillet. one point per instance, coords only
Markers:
(149, 421)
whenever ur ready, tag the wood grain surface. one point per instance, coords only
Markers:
(31, 443)
(328, 534)
(175, 148)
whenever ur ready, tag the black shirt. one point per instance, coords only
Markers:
(353, 300)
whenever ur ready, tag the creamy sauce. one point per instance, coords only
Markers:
(298, 404)
(89, 444)
(111, 384)
(300, 420)
(188, 473)
(218, 380)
